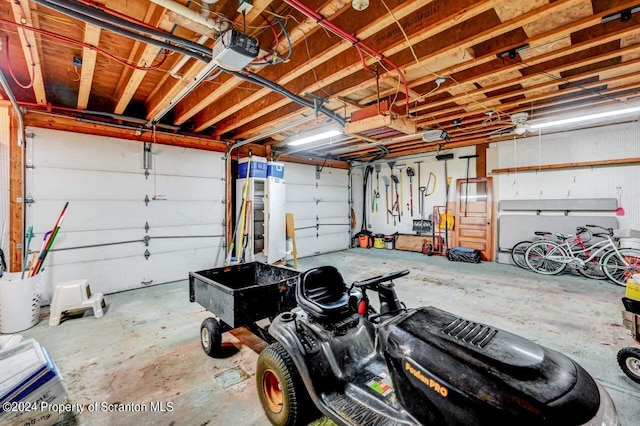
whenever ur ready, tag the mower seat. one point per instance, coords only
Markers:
(322, 293)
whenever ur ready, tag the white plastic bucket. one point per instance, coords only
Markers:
(19, 301)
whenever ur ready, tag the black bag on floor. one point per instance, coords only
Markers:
(462, 254)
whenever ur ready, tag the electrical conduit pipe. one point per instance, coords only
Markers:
(322, 21)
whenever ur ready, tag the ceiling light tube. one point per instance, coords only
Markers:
(584, 118)
(315, 137)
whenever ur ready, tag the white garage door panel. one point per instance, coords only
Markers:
(332, 209)
(207, 230)
(333, 193)
(87, 215)
(300, 174)
(333, 177)
(173, 160)
(298, 193)
(87, 152)
(318, 201)
(181, 188)
(87, 185)
(103, 180)
(186, 213)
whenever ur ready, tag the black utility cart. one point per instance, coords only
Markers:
(239, 296)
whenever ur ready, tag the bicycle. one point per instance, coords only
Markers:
(518, 250)
(591, 270)
(550, 258)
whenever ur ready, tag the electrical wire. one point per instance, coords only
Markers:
(32, 70)
(322, 21)
(415, 57)
(83, 44)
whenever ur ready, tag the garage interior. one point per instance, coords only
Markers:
(164, 137)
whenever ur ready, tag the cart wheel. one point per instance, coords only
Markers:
(282, 394)
(211, 337)
(430, 250)
(629, 361)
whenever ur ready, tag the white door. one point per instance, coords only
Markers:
(111, 235)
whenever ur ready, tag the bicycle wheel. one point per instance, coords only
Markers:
(592, 269)
(542, 256)
(619, 268)
(517, 254)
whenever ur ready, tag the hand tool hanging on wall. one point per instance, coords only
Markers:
(466, 186)
(378, 167)
(49, 244)
(396, 205)
(411, 173)
(424, 225)
(386, 195)
(240, 219)
(401, 203)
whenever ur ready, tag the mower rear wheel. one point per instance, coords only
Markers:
(211, 337)
(629, 362)
(282, 394)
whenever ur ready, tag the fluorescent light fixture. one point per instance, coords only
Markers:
(585, 118)
(315, 137)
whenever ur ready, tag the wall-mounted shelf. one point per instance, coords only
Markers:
(600, 163)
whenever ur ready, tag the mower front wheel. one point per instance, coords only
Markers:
(280, 388)
(629, 361)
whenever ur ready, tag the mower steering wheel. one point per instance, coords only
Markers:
(371, 282)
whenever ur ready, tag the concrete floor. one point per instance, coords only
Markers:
(146, 348)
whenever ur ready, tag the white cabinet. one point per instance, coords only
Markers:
(265, 219)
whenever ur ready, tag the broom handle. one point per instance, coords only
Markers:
(49, 242)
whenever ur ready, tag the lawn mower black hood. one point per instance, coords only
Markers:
(475, 373)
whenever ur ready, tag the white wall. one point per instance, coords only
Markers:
(377, 221)
(602, 143)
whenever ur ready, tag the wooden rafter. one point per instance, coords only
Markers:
(201, 99)
(28, 40)
(89, 57)
(201, 95)
(125, 91)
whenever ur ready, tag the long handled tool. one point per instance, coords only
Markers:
(401, 201)
(49, 244)
(240, 219)
(396, 205)
(386, 195)
(411, 173)
(424, 225)
(466, 187)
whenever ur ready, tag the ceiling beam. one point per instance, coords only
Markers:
(438, 14)
(89, 58)
(132, 78)
(29, 42)
(203, 99)
(205, 94)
